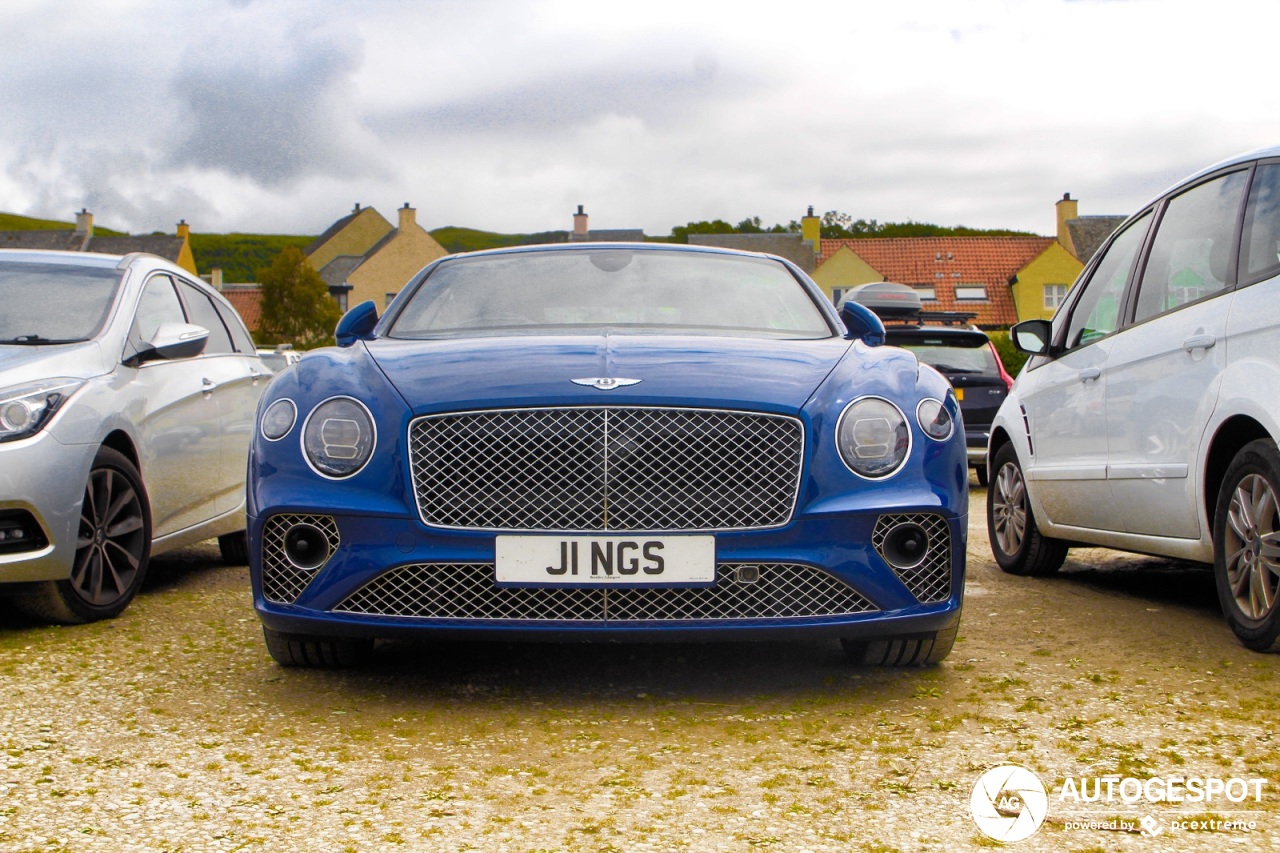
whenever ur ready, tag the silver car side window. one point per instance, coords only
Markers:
(1097, 311)
(158, 304)
(1261, 257)
(1190, 257)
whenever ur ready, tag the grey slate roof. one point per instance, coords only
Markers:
(793, 247)
(335, 272)
(610, 235)
(166, 246)
(1088, 233)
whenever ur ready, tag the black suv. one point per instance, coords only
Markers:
(949, 343)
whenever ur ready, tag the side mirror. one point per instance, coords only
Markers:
(175, 340)
(862, 323)
(357, 324)
(1032, 336)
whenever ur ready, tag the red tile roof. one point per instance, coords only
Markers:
(248, 303)
(944, 262)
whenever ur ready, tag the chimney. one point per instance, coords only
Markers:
(84, 223)
(580, 224)
(1068, 208)
(355, 209)
(184, 230)
(215, 278)
(811, 230)
(408, 216)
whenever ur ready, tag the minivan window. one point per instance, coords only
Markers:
(1190, 257)
(1097, 312)
(1262, 226)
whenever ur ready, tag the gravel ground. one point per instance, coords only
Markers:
(170, 729)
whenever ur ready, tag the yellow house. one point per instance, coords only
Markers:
(1042, 285)
(172, 247)
(842, 270)
(362, 258)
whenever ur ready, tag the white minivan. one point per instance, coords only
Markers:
(1148, 415)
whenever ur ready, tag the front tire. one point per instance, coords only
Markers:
(314, 651)
(1246, 550)
(113, 548)
(1016, 541)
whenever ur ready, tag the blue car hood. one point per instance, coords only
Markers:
(454, 375)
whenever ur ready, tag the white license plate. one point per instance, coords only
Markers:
(603, 560)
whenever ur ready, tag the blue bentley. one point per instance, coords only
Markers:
(608, 441)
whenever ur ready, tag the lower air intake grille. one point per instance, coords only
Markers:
(282, 580)
(741, 591)
(929, 579)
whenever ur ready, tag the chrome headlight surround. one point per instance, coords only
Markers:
(24, 409)
(339, 438)
(278, 420)
(873, 437)
(934, 419)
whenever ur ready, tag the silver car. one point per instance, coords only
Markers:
(127, 398)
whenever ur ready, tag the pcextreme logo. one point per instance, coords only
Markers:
(1009, 803)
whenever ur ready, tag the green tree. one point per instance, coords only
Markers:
(296, 305)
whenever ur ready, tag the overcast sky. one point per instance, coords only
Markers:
(276, 116)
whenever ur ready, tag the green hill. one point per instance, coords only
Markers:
(14, 222)
(456, 239)
(241, 256)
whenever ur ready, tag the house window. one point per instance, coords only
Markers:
(341, 298)
(927, 294)
(971, 293)
(837, 293)
(1054, 295)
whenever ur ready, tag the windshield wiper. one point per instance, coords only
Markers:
(37, 340)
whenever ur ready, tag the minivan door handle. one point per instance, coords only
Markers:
(1196, 342)
(1090, 373)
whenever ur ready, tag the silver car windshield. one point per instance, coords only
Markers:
(647, 292)
(54, 303)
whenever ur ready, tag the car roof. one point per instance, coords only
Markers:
(48, 256)
(913, 330)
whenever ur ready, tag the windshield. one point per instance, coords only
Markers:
(52, 303)
(967, 355)
(579, 291)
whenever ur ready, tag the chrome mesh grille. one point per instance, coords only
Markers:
(601, 468)
(468, 591)
(931, 580)
(282, 581)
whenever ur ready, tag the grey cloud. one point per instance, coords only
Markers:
(270, 119)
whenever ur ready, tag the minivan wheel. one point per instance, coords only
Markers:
(1016, 540)
(1246, 551)
(113, 547)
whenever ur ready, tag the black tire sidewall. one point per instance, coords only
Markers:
(1009, 562)
(1263, 459)
(118, 462)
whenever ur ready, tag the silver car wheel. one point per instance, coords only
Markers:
(111, 542)
(1009, 508)
(1252, 547)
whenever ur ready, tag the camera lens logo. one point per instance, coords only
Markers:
(1009, 803)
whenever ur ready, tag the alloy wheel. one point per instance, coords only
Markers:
(1252, 547)
(111, 541)
(1009, 508)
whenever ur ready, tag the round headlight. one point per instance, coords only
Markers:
(278, 419)
(873, 437)
(934, 419)
(339, 437)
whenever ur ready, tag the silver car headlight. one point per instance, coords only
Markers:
(873, 437)
(24, 409)
(339, 437)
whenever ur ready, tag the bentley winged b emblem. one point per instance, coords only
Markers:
(604, 383)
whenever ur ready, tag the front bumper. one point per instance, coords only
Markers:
(823, 574)
(41, 486)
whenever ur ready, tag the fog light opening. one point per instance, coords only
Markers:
(306, 546)
(906, 546)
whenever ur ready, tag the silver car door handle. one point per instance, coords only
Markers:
(255, 375)
(207, 386)
(1196, 342)
(1090, 373)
